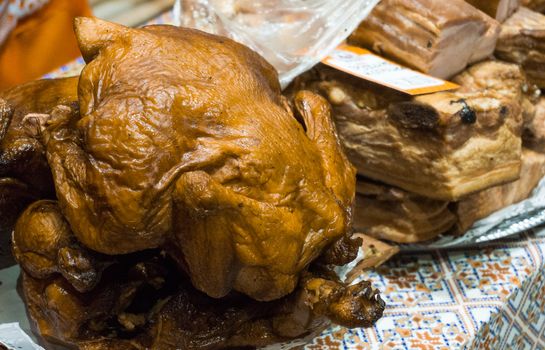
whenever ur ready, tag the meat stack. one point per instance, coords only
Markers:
(522, 41)
(437, 163)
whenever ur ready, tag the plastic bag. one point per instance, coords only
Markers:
(293, 35)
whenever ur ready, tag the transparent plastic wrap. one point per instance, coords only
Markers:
(293, 35)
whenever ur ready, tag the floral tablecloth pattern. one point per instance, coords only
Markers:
(488, 297)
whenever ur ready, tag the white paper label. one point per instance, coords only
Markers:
(364, 64)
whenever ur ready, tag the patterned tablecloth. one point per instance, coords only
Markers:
(487, 297)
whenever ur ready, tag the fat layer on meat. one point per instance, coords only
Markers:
(444, 145)
(522, 41)
(392, 214)
(536, 5)
(498, 9)
(437, 37)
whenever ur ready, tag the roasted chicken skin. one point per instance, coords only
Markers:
(24, 172)
(140, 300)
(97, 302)
(22, 156)
(199, 153)
(196, 208)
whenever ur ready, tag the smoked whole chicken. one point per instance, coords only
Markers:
(24, 172)
(183, 172)
(183, 140)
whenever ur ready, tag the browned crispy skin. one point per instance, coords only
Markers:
(195, 207)
(199, 153)
(14, 197)
(22, 156)
(40, 96)
(24, 173)
(44, 245)
(93, 301)
(144, 308)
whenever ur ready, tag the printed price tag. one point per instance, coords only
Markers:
(366, 65)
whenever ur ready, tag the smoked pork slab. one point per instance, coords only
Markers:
(536, 5)
(444, 145)
(534, 129)
(436, 37)
(522, 41)
(498, 9)
(389, 213)
(482, 204)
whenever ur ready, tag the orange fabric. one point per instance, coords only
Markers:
(41, 42)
